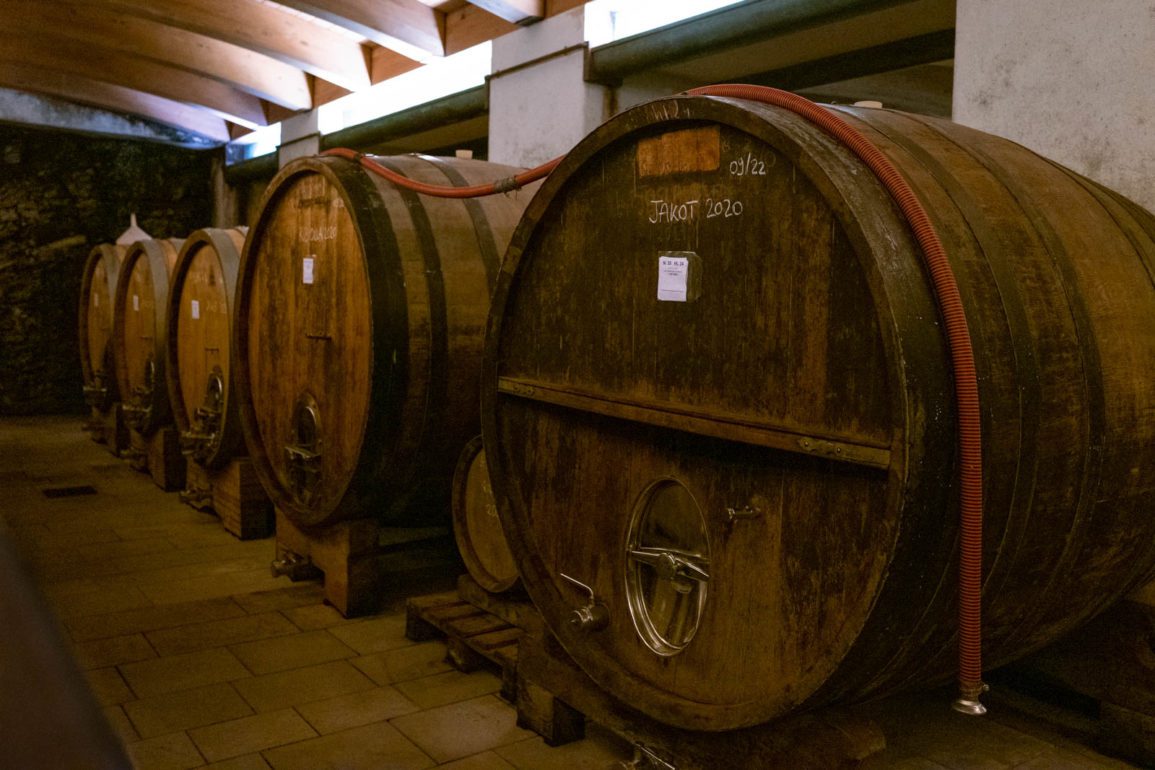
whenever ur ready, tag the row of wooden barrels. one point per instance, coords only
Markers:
(343, 358)
(715, 390)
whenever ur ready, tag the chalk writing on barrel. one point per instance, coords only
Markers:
(308, 234)
(665, 211)
(687, 211)
(748, 165)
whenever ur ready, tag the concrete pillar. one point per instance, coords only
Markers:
(300, 137)
(539, 103)
(1070, 79)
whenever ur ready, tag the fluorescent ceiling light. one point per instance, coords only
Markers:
(439, 78)
(610, 20)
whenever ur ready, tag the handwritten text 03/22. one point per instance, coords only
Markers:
(687, 211)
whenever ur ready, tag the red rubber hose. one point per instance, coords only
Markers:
(446, 191)
(961, 355)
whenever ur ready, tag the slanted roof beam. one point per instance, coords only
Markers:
(262, 27)
(406, 26)
(247, 70)
(95, 93)
(515, 11)
(70, 57)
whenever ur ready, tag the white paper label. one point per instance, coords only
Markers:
(307, 270)
(136, 302)
(96, 300)
(673, 278)
(196, 309)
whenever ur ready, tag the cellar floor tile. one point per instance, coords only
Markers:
(156, 595)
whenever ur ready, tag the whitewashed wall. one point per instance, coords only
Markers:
(1073, 80)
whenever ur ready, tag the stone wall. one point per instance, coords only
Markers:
(60, 195)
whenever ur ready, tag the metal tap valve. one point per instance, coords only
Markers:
(594, 616)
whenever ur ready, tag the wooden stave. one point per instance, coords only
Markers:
(376, 487)
(160, 253)
(490, 576)
(554, 601)
(1018, 634)
(110, 254)
(227, 244)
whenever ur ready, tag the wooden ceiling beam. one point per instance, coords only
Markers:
(262, 27)
(514, 11)
(385, 64)
(555, 7)
(107, 96)
(406, 26)
(74, 58)
(247, 70)
(469, 25)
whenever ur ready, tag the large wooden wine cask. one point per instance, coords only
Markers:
(139, 332)
(717, 394)
(361, 314)
(198, 347)
(97, 296)
(476, 525)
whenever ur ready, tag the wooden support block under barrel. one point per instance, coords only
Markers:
(137, 452)
(358, 558)
(115, 430)
(158, 455)
(198, 488)
(553, 694)
(109, 428)
(235, 494)
(343, 554)
(166, 464)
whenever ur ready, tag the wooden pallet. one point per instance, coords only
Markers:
(158, 455)
(234, 493)
(514, 607)
(474, 636)
(554, 698)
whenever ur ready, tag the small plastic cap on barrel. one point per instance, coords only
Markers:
(132, 234)
(869, 103)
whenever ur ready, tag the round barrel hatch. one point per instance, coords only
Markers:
(669, 567)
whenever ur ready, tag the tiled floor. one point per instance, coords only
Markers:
(200, 658)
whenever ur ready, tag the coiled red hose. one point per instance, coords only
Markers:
(950, 305)
(962, 361)
(446, 191)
